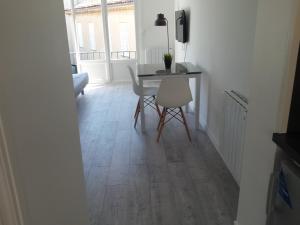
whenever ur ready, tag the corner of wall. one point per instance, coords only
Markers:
(213, 139)
(203, 122)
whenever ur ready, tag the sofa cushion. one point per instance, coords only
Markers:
(80, 80)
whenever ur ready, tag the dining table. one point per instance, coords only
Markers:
(155, 72)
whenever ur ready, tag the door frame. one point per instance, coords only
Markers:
(288, 79)
(106, 40)
(10, 204)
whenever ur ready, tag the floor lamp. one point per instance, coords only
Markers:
(162, 21)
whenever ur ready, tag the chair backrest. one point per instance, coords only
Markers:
(155, 55)
(135, 86)
(174, 92)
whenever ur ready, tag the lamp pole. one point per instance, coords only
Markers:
(163, 21)
(168, 35)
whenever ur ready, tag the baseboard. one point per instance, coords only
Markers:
(203, 123)
(213, 139)
(121, 81)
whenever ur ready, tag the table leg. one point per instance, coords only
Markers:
(187, 108)
(197, 102)
(142, 107)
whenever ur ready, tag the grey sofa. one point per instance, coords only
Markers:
(80, 80)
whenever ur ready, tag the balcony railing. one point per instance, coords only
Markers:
(91, 3)
(123, 55)
(98, 55)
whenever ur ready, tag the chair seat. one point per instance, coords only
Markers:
(80, 80)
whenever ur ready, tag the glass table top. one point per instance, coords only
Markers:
(159, 69)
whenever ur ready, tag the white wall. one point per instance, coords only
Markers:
(38, 109)
(149, 36)
(10, 213)
(120, 70)
(275, 23)
(96, 70)
(221, 43)
(243, 45)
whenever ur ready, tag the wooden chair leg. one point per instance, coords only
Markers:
(160, 118)
(185, 124)
(137, 109)
(136, 118)
(162, 124)
(157, 107)
(158, 110)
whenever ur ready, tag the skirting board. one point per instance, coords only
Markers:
(121, 82)
(213, 139)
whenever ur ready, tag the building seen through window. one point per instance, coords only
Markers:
(90, 33)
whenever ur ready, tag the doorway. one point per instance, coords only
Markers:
(102, 37)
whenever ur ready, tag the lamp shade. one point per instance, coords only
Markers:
(161, 20)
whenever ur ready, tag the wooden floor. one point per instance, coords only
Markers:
(132, 180)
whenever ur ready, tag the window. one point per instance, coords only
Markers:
(124, 36)
(121, 23)
(79, 35)
(92, 36)
(90, 40)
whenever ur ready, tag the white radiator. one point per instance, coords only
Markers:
(234, 132)
(156, 55)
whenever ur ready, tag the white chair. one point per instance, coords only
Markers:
(173, 93)
(149, 96)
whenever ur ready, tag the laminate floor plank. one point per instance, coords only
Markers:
(138, 152)
(96, 189)
(119, 169)
(163, 207)
(115, 205)
(105, 145)
(187, 200)
(139, 210)
(133, 180)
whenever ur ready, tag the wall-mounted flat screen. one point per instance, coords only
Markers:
(181, 26)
